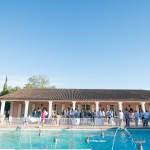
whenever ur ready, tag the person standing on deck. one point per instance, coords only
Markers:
(146, 118)
(127, 118)
(109, 116)
(43, 117)
(120, 117)
(136, 118)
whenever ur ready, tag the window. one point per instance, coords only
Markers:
(85, 107)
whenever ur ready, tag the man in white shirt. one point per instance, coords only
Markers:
(103, 113)
(120, 117)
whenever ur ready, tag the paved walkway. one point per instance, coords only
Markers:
(66, 127)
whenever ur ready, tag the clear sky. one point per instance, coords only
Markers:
(76, 43)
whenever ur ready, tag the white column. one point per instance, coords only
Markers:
(2, 107)
(73, 105)
(143, 106)
(97, 106)
(120, 105)
(11, 108)
(50, 108)
(26, 108)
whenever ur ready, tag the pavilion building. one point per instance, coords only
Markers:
(23, 102)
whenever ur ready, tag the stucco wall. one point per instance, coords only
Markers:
(66, 105)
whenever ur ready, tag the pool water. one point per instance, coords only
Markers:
(74, 139)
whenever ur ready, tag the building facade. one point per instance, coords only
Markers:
(24, 102)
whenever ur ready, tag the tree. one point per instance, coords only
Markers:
(5, 89)
(28, 86)
(4, 92)
(38, 81)
(5, 85)
(13, 89)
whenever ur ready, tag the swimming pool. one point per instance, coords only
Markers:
(74, 139)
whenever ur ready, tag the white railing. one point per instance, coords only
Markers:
(31, 121)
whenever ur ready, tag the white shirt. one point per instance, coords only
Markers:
(65, 112)
(120, 115)
(46, 113)
(103, 113)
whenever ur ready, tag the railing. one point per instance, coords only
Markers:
(69, 122)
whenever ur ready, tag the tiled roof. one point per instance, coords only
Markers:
(78, 94)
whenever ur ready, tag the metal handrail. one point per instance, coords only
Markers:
(62, 121)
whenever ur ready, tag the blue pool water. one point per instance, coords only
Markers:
(74, 139)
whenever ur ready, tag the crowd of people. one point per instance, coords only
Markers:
(40, 113)
(134, 116)
(129, 116)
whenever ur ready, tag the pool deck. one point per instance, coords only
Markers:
(28, 127)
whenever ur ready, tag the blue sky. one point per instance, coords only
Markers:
(76, 43)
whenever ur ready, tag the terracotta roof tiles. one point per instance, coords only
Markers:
(77, 94)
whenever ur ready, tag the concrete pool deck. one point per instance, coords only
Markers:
(29, 127)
